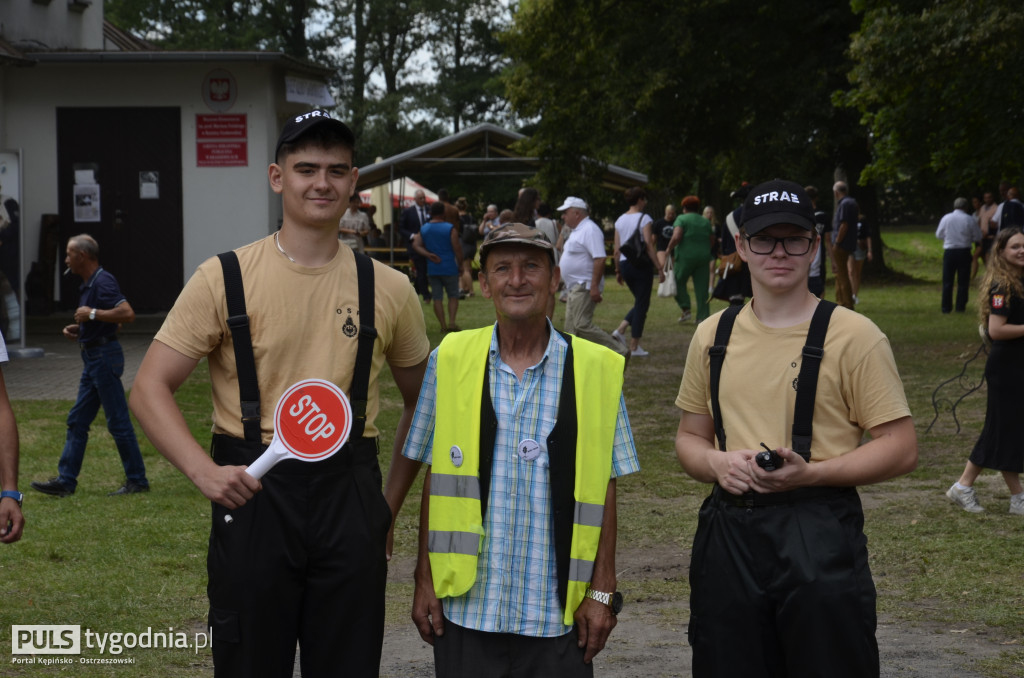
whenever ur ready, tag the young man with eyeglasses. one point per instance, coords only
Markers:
(779, 559)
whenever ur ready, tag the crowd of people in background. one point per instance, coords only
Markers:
(691, 245)
(968, 233)
(687, 242)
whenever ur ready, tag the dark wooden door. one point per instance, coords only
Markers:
(133, 155)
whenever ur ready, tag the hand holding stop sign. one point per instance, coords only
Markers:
(312, 421)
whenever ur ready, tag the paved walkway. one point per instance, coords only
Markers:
(55, 375)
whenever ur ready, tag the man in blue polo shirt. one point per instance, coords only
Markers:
(101, 309)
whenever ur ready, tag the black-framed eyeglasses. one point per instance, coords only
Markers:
(793, 245)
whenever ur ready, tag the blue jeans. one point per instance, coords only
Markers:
(101, 385)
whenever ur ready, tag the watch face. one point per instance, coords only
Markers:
(616, 602)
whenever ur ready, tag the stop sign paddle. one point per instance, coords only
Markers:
(312, 421)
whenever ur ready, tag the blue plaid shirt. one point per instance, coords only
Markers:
(516, 587)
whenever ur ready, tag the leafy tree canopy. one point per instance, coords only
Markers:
(403, 68)
(939, 86)
(698, 94)
(273, 25)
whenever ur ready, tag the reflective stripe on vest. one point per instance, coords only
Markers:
(581, 570)
(454, 519)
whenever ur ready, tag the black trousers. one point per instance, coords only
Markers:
(420, 283)
(467, 653)
(956, 262)
(782, 589)
(303, 561)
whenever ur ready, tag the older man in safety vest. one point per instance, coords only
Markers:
(526, 431)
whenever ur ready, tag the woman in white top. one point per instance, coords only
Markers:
(639, 273)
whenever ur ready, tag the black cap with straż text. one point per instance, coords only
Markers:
(777, 202)
(299, 125)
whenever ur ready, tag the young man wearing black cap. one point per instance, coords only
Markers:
(301, 555)
(779, 564)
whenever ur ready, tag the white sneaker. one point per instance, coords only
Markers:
(685, 316)
(640, 353)
(617, 336)
(966, 499)
(1017, 504)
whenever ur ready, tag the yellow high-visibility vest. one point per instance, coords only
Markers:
(455, 520)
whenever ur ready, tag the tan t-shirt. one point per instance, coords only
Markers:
(858, 385)
(304, 324)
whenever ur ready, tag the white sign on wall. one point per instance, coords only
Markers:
(303, 91)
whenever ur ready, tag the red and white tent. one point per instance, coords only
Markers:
(402, 194)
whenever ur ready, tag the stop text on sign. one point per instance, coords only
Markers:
(318, 426)
(313, 419)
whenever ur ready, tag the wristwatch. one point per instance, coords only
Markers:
(13, 494)
(92, 314)
(612, 600)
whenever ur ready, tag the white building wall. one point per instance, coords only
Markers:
(223, 207)
(53, 24)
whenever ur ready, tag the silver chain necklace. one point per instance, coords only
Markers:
(277, 241)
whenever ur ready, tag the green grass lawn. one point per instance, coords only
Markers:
(125, 564)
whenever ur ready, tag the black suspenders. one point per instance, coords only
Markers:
(807, 381)
(717, 357)
(358, 392)
(245, 361)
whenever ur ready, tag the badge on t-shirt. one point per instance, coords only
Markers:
(456, 456)
(998, 301)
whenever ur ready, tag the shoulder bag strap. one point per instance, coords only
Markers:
(717, 357)
(245, 361)
(730, 222)
(807, 381)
